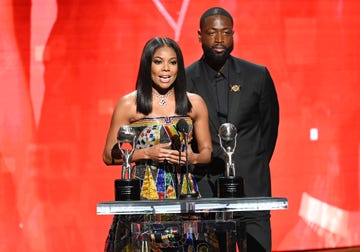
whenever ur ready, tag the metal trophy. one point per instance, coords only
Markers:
(229, 186)
(127, 187)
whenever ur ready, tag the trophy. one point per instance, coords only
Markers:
(127, 187)
(229, 186)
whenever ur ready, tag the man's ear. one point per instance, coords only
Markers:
(199, 35)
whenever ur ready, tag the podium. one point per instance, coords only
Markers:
(190, 233)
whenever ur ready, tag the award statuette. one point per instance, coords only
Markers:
(127, 187)
(229, 186)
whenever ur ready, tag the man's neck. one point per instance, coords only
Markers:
(217, 66)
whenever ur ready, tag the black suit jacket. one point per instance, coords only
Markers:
(254, 110)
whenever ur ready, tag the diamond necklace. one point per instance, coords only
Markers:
(163, 98)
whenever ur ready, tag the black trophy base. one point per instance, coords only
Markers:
(189, 196)
(230, 187)
(127, 189)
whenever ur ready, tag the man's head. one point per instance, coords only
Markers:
(216, 36)
(215, 11)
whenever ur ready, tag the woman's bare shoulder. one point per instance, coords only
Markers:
(127, 100)
(199, 108)
(195, 99)
(126, 106)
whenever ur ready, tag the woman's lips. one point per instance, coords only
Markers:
(165, 78)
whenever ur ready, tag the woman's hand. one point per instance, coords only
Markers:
(191, 156)
(161, 153)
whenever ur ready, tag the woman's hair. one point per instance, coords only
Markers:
(144, 82)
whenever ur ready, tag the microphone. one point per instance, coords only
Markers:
(176, 145)
(183, 127)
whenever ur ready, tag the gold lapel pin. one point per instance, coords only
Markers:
(235, 88)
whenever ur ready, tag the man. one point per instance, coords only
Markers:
(241, 93)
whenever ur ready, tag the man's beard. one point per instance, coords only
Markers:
(216, 60)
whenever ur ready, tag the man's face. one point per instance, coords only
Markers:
(216, 37)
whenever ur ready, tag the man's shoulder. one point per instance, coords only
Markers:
(239, 64)
(245, 63)
(194, 67)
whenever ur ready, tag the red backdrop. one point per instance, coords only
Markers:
(64, 64)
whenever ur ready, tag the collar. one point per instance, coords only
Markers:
(224, 71)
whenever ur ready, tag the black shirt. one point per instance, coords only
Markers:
(219, 88)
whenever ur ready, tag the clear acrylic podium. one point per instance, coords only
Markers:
(190, 234)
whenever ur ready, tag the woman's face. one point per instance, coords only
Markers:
(164, 68)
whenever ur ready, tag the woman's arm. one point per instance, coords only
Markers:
(199, 115)
(123, 111)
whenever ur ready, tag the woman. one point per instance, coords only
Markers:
(158, 104)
